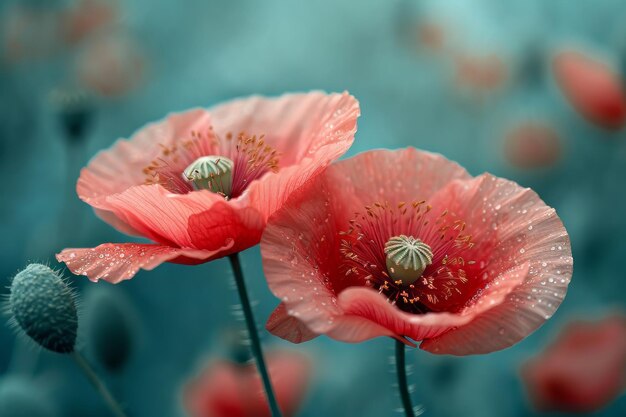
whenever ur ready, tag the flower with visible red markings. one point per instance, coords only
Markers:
(593, 88)
(407, 244)
(201, 184)
(230, 389)
(583, 370)
(533, 144)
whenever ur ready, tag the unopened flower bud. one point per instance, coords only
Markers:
(43, 306)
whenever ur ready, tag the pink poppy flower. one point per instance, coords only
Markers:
(592, 87)
(407, 244)
(202, 183)
(533, 144)
(86, 17)
(110, 65)
(229, 389)
(583, 370)
(432, 35)
(28, 33)
(480, 73)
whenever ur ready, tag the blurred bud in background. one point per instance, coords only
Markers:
(532, 144)
(110, 64)
(583, 370)
(23, 397)
(592, 87)
(230, 389)
(111, 326)
(75, 111)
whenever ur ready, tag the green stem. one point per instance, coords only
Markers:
(402, 382)
(98, 384)
(257, 351)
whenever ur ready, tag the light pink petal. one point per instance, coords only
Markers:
(197, 220)
(525, 230)
(298, 126)
(298, 248)
(289, 328)
(159, 214)
(311, 130)
(117, 262)
(355, 329)
(270, 193)
(224, 226)
(122, 166)
(392, 176)
(367, 303)
(117, 223)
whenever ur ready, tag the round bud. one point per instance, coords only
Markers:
(407, 258)
(43, 306)
(213, 173)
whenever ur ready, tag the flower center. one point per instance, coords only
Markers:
(207, 162)
(407, 258)
(213, 173)
(421, 261)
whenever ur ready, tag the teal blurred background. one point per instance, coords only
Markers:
(403, 60)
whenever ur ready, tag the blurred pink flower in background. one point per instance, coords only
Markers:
(532, 144)
(40, 32)
(432, 35)
(110, 64)
(500, 259)
(480, 73)
(260, 151)
(29, 33)
(583, 370)
(593, 88)
(229, 389)
(87, 16)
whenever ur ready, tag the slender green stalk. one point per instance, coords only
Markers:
(257, 351)
(402, 383)
(98, 384)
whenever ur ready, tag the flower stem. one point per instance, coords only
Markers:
(402, 383)
(115, 407)
(257, 351)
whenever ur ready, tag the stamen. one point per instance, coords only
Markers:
(250, 158)
(414, 255)
(253, 158)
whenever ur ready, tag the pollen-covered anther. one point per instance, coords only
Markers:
(213, 173)
(407, 258)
